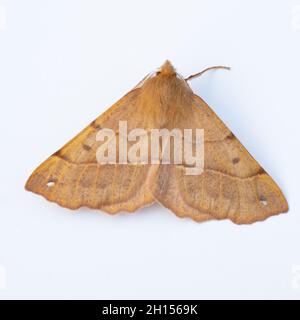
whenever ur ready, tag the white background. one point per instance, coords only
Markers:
(63, 62)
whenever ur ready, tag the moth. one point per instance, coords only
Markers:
(232, 184)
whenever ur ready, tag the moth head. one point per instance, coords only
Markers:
(167, 69)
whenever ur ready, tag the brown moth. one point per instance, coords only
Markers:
(232, 186)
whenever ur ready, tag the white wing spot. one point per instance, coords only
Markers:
(263, 201)
(50, 183)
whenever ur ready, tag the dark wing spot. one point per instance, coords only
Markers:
(235, 160)
(95, 125)
(231, 136)
(86, 147)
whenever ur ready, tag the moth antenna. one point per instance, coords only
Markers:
(196, 75)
